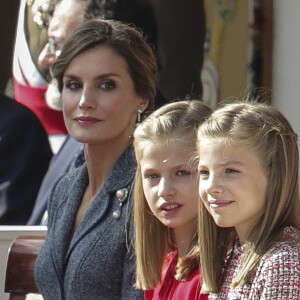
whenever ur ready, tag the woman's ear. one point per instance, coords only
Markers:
(143, 104)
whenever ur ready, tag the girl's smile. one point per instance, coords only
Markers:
(232, 184)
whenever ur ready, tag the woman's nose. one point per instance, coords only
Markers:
(87, 99)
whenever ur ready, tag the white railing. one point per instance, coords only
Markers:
(7, 235)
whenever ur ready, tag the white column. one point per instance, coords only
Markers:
(286, 59)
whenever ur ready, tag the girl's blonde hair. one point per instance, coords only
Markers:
(153, 240)
(268, 133)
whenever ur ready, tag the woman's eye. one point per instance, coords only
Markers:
(72, 85)
(107, 85)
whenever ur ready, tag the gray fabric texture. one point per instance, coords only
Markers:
(97, 262)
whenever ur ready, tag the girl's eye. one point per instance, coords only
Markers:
(231, 171)
(203, 173)
(183, 173)
(150, 176)
(107, 85)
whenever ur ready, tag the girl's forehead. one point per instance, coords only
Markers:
(224, 141)
(172, 142)
(167, 146)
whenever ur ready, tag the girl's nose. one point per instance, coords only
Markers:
(165, 188)
(213, 185)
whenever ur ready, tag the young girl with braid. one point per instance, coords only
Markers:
(249, 213)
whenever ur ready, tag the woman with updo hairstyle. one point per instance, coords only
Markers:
(107, 77)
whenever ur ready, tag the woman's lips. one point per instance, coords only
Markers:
(87, 120)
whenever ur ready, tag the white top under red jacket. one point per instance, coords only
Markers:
(277, 275)
(29, 84)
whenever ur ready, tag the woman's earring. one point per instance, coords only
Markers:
(139, 116)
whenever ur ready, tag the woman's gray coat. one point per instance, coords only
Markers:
(98, 262)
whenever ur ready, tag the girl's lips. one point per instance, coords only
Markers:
(170, 206)
(219, 203)
(170, 209)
